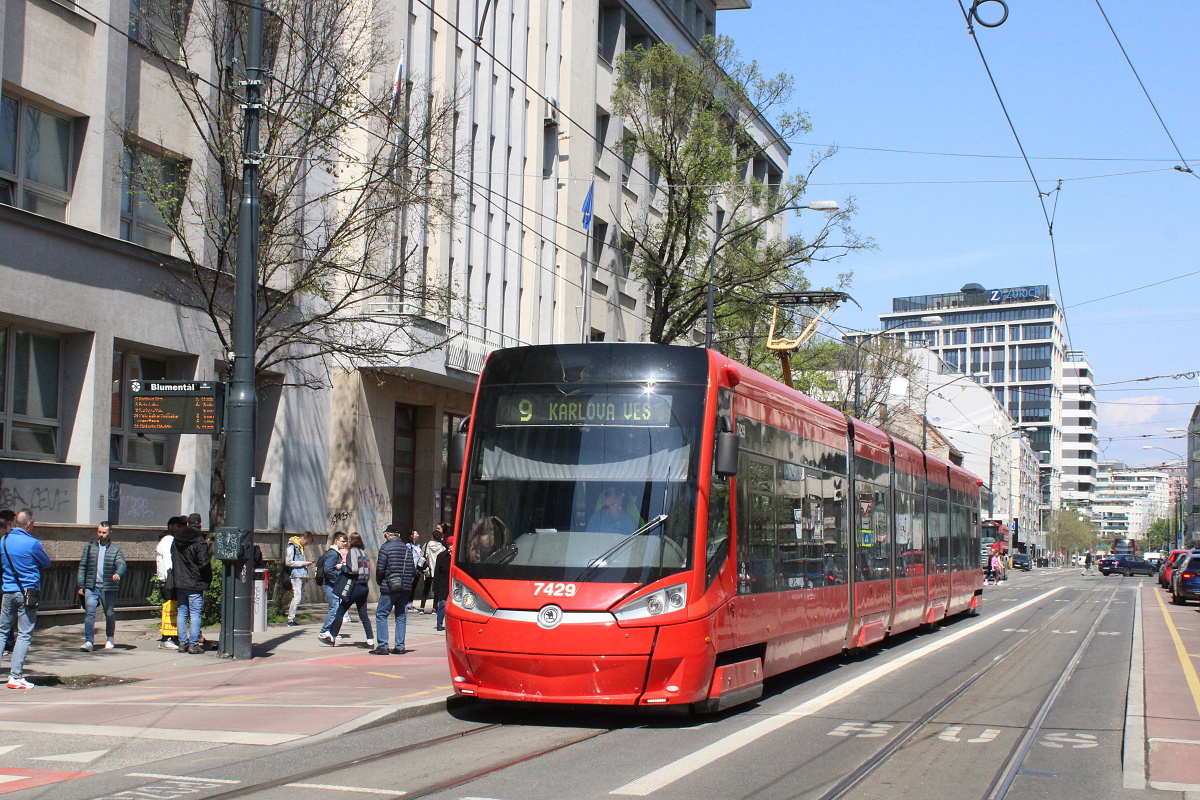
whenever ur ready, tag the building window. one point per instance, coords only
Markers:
(158, 25)
(29, 390)
(35, 158)
(151, 194)
(127, 448)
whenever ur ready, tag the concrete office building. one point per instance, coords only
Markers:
(1012, 340)
(538, 132)
(86, 103)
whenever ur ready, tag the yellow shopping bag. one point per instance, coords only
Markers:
(169, 610)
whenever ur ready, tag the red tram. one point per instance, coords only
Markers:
(646, 525)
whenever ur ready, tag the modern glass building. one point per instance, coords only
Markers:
(1012, 341)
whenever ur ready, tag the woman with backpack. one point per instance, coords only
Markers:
(356, 570)
(426, 566)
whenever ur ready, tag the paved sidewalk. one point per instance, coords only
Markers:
(294, 688)
(1170, 692)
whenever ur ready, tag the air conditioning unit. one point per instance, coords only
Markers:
(550, 117)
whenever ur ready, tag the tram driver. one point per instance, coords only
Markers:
(612, 517)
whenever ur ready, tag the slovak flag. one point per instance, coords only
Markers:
(397, 91)
(587, 208)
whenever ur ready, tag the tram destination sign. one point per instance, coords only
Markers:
(176, 406)
(627, 409)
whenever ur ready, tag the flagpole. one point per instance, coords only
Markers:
(585, 283)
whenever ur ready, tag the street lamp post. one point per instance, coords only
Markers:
(828, 206)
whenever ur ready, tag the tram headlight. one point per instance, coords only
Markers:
(467, 600)
(671, 598)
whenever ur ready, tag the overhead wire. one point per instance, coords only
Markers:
(1037, 186)
(1186, 167)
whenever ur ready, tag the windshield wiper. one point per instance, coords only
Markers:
(599, 561)
(503, 555)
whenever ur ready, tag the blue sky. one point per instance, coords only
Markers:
(907, 76)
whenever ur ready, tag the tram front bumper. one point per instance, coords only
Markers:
(587, 664)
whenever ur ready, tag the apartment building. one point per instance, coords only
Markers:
(1080, 451)
(1127, 501)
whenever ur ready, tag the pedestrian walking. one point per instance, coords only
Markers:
(101, 568)
(395, 569)
(191, 574)
(441, 582)
(297, 566)
(330, 565)
(22, 559)
(414, 544)
(358, 572)
(168, 632)
(7, 518)
(1087, 563)
(423, 588)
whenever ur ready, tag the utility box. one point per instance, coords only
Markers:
(261, 600)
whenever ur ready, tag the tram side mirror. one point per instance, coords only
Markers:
(458, 447)
(728, 446)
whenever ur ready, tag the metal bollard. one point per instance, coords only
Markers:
(260, 601)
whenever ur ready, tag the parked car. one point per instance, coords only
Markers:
(1185, 583)
(1022, 561)
(1173, 560)
(1125, 564)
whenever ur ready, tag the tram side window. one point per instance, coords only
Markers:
(832, 531)
(794, 530)
(756, 545)
(960, 537)
(874, 536)
(939, 535)
(910, 558)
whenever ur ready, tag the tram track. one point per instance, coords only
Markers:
(312, 778)
(1011, 765)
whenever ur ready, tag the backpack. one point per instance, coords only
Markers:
(319, 571)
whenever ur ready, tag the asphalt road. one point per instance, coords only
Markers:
(1027, 700)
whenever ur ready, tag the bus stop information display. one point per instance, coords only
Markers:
(175, 406)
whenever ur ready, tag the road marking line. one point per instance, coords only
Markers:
(169, 734)
(80, 758)
(1173, 741)
(387, 675)
(8, 748)
(1189, 670)
(735, 741)
(178, 777)
(360, 789)
(1133, 764)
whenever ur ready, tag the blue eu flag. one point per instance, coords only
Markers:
(587, 208)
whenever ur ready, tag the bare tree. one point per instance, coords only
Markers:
(348, 169)
(699, 120)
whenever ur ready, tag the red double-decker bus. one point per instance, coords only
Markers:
(645, 525)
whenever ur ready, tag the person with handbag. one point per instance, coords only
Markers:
(101, 567)
(395, 570)
(352, 586)
(22, 559)
(190, 575)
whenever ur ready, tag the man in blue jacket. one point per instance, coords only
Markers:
(101, 567)
(22, 560)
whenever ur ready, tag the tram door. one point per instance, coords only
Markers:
(756, 545)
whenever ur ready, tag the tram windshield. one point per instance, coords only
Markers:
(582, 483)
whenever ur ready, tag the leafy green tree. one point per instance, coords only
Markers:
(1159, 535)
(697, 117)
(1071, 531)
